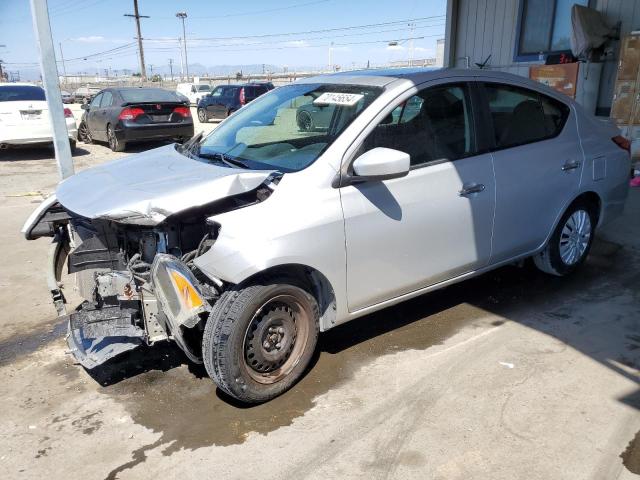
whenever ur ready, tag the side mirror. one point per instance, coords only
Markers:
(84, 106)
(381, 164)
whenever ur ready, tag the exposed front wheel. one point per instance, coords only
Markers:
(114, 144)
(84, 134)
(571, 241)
(259, 340)
(202, 115)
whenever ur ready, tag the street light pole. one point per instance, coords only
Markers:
(182, 16)
(49, 70)
(64, 67)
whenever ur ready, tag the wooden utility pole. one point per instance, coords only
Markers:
(137, 16)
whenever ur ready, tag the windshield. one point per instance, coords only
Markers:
(288, 128)
(15, 93)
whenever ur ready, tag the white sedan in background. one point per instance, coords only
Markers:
(24, 117)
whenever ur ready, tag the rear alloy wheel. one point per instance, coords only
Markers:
(570, 243)
(305, 121)
(84, 134)
(114, 144)
(202, 115)
(259, 340)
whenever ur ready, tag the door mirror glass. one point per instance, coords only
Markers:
(381, 164)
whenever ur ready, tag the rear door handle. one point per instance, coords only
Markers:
(570, 166)
(471, 189)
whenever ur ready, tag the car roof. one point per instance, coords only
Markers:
(416, 75)
(18, 84)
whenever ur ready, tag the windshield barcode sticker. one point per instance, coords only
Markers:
(334, 98)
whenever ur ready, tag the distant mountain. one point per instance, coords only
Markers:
(199, 70)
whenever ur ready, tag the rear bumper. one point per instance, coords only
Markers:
(21, 135)
(154, 132)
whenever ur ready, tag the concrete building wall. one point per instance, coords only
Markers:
(489, 27)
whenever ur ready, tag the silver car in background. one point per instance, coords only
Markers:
(242, 246)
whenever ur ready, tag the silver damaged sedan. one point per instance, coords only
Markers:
(320, 202)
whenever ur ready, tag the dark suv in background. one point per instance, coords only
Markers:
(226, 99)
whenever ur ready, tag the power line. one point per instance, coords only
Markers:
(215, 45)
(368, 42)
(325, 30)
(257, 12)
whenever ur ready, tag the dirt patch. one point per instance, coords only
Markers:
(166, 394)
(27, 343)
(631, 456)
(178, 400)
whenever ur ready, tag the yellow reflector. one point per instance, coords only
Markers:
(188, 295)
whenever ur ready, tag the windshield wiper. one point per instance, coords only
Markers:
(229, 161)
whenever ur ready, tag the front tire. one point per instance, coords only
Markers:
(571, 241)
(259, 340)
(84, 134)
(114, 144)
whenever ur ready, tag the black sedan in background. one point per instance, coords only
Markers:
(120, 116)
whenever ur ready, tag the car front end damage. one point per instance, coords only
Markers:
(135, 272)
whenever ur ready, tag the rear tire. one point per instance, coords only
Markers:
(571, 241)
(260, 339)
(114, 144)
(202, 115)
(72, 146)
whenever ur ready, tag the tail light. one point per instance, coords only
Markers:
(182, 111)
(68, 113)
(243, 99)
(623, 143)
(130, 113)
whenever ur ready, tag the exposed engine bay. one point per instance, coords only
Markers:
(139, 283)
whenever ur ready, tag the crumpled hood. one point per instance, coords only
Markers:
(146, 188)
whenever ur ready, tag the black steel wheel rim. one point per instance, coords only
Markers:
(275, 339)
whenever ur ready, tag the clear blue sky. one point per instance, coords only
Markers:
(86, 27)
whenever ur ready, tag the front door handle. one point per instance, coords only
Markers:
(570, 166)
(471, 189)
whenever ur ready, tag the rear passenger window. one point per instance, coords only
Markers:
(523, 116)
(434, 124)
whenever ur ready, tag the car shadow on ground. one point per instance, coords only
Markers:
(519, 294)
(20, 154)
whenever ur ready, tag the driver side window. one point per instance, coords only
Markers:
(434, 124)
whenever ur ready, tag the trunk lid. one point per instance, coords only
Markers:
(24, 112)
